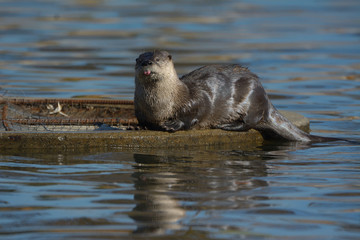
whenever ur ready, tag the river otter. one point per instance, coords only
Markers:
(228, 97)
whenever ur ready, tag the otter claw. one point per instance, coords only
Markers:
(173, 126)
(194, 122)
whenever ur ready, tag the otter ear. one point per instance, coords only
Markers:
(170, 57)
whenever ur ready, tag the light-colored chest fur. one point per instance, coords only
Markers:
(157, 101)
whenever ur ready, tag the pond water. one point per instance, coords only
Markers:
(307, 54)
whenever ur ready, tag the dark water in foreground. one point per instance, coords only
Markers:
(308, 56)
(269, 192)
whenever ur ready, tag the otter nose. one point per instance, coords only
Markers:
(146, 63)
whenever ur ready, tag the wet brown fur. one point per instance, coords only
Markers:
(228, 97)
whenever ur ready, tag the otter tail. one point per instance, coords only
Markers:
(315, 138)
(281, 127)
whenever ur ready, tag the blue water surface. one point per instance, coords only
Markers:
(307, 54)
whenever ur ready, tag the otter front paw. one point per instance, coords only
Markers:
(173, 125)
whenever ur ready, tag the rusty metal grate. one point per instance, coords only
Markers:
(29, 114)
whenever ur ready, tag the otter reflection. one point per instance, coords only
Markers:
(207, 180)
(159, 180)
(156, 210)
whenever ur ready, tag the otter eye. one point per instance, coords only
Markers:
(170, 57)
(157, 59)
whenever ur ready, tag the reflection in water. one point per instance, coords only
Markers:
(269, 191)
(216, 181)
(156, 210)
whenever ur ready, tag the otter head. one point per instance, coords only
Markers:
(156, 65)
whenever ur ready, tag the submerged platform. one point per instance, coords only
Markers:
(88, 123)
